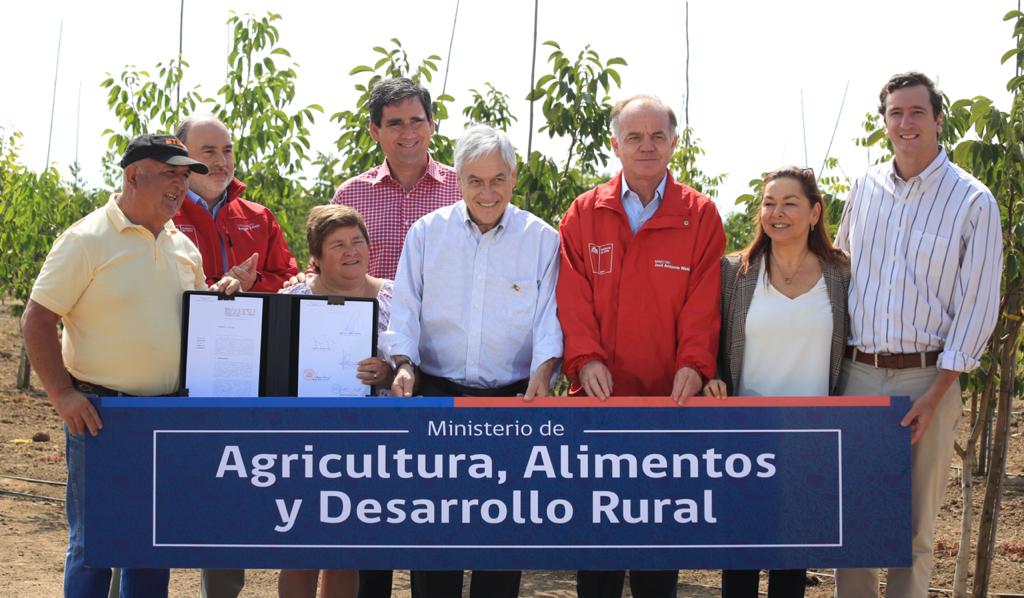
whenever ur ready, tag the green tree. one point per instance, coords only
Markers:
(576, 108)
(34, 209)
(489, 108)
(360, 152)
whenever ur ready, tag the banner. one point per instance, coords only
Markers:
(556, 483)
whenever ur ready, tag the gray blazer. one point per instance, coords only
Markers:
(737, 293)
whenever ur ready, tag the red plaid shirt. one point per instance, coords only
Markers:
(389, 211)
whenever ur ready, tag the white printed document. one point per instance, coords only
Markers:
(224, 345)
(333, 339)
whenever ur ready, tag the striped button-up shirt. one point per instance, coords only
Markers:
(389, 210)
(926, 260)
(476, 308)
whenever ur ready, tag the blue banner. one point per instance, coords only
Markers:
(448, 483)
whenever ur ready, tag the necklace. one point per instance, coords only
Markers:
(788, 279)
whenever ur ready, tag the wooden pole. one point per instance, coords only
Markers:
(53, 104)
(533, 73)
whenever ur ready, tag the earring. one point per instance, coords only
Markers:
(812, 227)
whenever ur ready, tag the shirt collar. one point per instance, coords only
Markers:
(384, 171)
(934, 166)
(463, 214)
(658, 193)
(202, 203)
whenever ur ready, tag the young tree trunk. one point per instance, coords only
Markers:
(963, 554)
(24, 369)
(968, 456)
(987, 525)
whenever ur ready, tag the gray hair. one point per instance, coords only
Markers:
(479, 141)
(181, 132)
(644, 99)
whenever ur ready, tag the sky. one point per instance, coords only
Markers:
(750, 64)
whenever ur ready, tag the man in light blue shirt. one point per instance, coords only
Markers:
(473, 312)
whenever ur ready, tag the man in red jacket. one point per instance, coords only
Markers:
(227, 229)
(638, 289)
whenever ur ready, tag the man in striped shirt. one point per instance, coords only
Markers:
(925, 244)
(409, 184)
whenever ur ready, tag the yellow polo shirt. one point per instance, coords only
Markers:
(118, 290)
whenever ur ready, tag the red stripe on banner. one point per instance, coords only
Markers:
(549, 402)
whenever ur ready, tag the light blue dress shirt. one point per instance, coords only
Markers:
(637, 213)
(478, 309)
(202, 203)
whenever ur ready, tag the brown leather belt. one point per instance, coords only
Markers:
(894, 361)
(102, 391)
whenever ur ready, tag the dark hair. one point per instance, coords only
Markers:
(392, 91)
(818, 240)
(911, 79)
(323, 220)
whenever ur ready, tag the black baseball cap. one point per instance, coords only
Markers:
(162, 148)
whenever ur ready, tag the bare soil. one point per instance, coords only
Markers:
(33, 531)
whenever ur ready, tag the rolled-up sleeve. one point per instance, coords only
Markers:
(975, 300)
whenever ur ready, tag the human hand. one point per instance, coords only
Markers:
(685, 384)
(596, 379)
(715, 388)
(245, 272)
(294, 280)
(373, 371)
(920, 415)
(405, 381)
(226, 285)
(77, 412)
(538, 385)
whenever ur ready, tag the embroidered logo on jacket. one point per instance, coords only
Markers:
(247, 226)
(601, 258)
(670, 266)
(187, 228)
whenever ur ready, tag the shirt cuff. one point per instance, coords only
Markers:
(955, 361)
(392, 343)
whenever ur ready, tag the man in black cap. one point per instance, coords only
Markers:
(116, 279)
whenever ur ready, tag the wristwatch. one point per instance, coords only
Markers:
(402, 360)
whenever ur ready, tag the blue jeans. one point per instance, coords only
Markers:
(80, 580)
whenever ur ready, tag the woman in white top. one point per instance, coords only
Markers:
(784, 320)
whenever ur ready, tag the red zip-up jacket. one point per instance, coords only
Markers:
(246, 227)
(645, 304)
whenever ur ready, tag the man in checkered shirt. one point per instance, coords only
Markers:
(392, 196)
(409, 184)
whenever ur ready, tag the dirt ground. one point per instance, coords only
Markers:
(33, 532)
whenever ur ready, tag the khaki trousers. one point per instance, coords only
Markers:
(930, 461)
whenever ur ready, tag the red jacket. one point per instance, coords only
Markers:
(246, 227)
(645, 305)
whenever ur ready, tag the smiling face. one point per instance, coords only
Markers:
(344, 257)
(644, 142)
(153, 192)
(486, 184)
(911, 125)
(209, 142)
(404, 133)
(786, 212)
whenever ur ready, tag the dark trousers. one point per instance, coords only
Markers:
(448, 584)
(375, 583)
(643, 584)
(782, 583)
